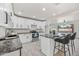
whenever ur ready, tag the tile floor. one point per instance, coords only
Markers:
(33, 49)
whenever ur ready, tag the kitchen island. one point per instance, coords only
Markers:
(47, 44)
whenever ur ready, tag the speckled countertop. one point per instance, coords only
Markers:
(10, 44)
(50, 36)
(47, 36)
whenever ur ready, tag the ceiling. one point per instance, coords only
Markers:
(44, 11)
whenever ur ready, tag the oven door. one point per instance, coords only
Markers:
(35, 35)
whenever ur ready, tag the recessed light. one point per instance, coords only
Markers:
(5, 9)
(54, 14)
(1, 8)
(43, 9)
(19, 12)
(34, 16)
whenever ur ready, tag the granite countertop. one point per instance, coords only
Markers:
(47, 36)
(10, 44)
(51, 36)
(24, 33)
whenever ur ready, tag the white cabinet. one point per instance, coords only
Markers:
(2, 32)
(47, 45)
(25, 38)
(2, 17)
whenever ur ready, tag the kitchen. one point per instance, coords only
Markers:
(33, 26)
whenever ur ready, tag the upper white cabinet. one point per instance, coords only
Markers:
(2, 17)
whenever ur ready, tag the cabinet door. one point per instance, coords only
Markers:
(25, 38)
(22, 38)
(45, 45)
(28, 37)
(2, 17)
(2, 32)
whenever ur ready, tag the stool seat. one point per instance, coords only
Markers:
(72, 41)
(64, 41)
(73, 36)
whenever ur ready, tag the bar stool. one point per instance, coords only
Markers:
(64, 41)
(72, 41)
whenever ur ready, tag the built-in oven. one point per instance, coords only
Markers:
(35, 35)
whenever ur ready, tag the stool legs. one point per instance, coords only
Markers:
(64, 51)
(72, 45)
(20, 51)
(69, 50)
(54, 48)
(59, 45)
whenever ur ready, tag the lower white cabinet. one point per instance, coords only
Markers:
(47, 45)
(25, 38)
